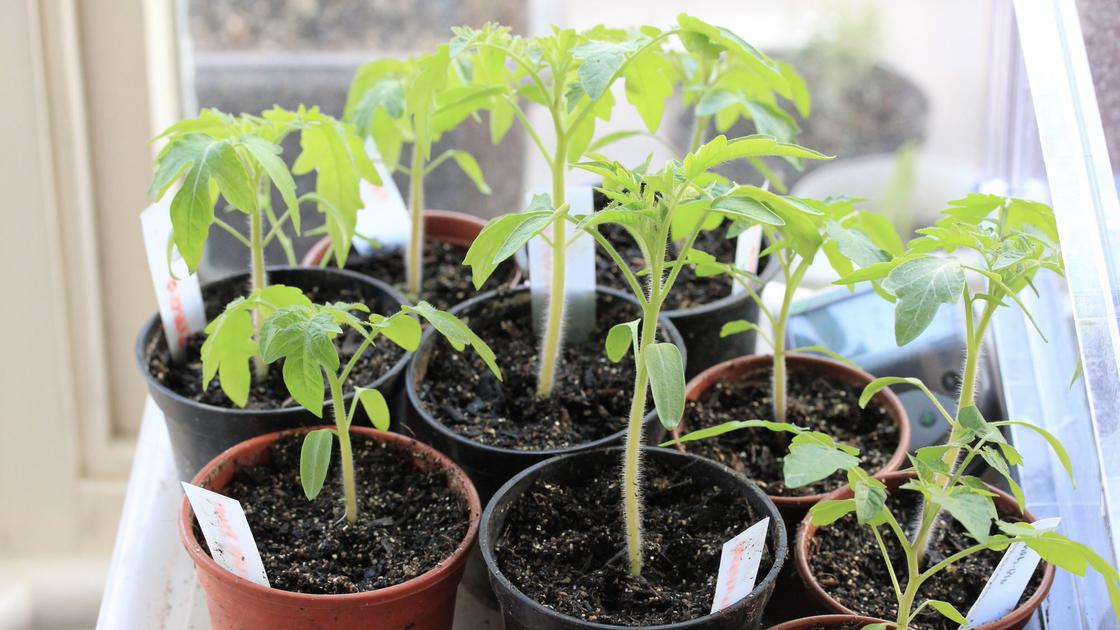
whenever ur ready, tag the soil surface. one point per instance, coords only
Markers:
(816, 402)
(446, 281)
(563, 545)
(846, 560)
(185, 377)
(590, 398)
(688, 290)
(409, 520)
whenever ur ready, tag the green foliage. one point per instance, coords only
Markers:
(665, 367)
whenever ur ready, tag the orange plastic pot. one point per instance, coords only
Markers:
(794, 509)
(826, 621)
(426, 602)
(454, 228)
(1005, 504)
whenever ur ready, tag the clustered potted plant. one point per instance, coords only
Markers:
(586, 525)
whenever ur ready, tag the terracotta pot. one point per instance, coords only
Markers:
(794, 509)
(426, 602)
(1005, 504)
(523, 613)
(825, 621)
(455, 228)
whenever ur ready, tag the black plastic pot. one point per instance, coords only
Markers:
(521, 612)
(491, 466)
(199, 431)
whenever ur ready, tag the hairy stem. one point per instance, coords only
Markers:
(631, 465)
(344, 451)
(554, 320)
(414, 270)
(259, 281)
(699, 131)
(780, 376)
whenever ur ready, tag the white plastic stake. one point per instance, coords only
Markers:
(579, 271)
(747, 247)
(181, 309)
(384, 216)
(227, 533)
(1002, 592)
(738, 566)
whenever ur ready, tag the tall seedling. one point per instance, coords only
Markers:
(570, 74)
(237, 158)
(415, 102)
(303, 335)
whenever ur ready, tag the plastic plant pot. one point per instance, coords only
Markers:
(821, 622)
(454, 228)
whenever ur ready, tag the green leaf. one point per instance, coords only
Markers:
(737, 326)
(620, 338)
(304, 338)
(375, 407)
(600, 61)
(869, 494)
(314, 460)
(830, 511)
(401, 329)
(733, 425)
(227, 351)
(922, 285)
(971, 508)
(503, 236)
(812, 457)
(999, 464)
(1054, 443)
(855, 245)
(747, 209)
(649, 82)
(948, 611)
(714, 100)
(457, 333)
(267, 155)
(666, 380)
(470, 167)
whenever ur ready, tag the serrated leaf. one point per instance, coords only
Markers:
(267, 155)
(621, 338)
(969, 507)
(649, 83)
(457, 333)
(922, 285)
(869, 494)
(812, 458)
(666, 379)
(600, 61)
(314, 461)
(304, 338)
(227, 350)
(747, 209)
(373, 403)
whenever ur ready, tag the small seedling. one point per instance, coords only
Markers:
(416, 102)
(303, 335)
(237, 158)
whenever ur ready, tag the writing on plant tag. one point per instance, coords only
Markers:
(181, 310)
(738, 565)
(747, 247)
(227, 533)
(579, 271)
(383, 217)
(1002, 592)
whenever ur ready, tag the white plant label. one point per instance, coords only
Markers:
(181, 309)
(383, 217)
(227, 533)
(1002, 592)
(738, 566)
(747, 247)
(579, 271)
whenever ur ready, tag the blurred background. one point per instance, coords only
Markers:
(921, 100)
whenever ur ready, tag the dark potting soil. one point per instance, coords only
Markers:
(847, 562)
(688, 291)
(563, 545)
(409, 520)
(590, 398)
(446, 281)
(185, 377)
(816, 402)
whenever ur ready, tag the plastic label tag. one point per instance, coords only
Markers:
(747, 246)
(227, 533)
(579, 271)
(181, 308)
(738, 566)
(383, 217)
(1002, 592)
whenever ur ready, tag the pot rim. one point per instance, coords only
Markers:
(426, 340)
(799, 624)
(776, 538)
(249, 589)
(806, 530)
(319, 248)
(755, 362)
(153, 327)
(768, 274)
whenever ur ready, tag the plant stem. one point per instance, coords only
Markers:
(554, 320)
(631, 465)
(699, 129)
(258, 280)
(344, 452)
(780, 376)
(414, 271)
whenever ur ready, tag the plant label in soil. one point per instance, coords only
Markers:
(383, 217)
(227, 533)
(738, 565)
(579, 272)
(747, 246)
(181, 308)
(1002, 592)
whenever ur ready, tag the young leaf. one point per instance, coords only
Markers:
(812, 457)
(503, 236)
(733, 425)
(600, 61)
(621, 338)
(267, 155)
(870, 496)
(227, 351)
(303, 337)
(456, 333)
(666, 380)
(401, 329)
(314, 460)
(375, 407)
(737, 326)
(971, 508)
(922, 285)
(1054, 443)
(948, 611)
(830, 511)
(470, 167)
